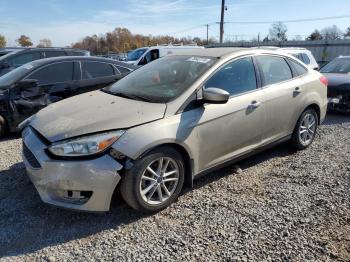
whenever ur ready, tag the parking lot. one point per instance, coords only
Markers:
(284, 205)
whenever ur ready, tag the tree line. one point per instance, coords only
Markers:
(121, 40)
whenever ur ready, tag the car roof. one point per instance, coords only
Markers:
(223, 52)
(51, 60)
(211, 52)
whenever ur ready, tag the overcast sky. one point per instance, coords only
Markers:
(67, 21)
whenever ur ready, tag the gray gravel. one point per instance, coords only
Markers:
(282, 206)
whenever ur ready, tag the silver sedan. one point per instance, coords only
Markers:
(163, 125)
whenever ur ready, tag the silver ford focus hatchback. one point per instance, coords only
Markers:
(157, 129)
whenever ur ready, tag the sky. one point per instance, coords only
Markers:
(67, 21)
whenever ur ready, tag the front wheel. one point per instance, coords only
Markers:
(2, 127)
(155, 180)
(305, 129)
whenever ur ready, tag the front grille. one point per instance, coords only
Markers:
(30, 157)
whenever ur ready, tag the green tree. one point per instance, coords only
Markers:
(2, 41)
(24, 41)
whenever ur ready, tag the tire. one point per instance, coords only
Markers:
(303, 136)
(137, 180)
(2, 127)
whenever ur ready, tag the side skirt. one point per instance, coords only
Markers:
(241, 157)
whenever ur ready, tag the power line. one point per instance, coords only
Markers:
(290, 21)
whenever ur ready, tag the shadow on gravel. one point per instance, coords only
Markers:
(10, 137)
(333, 118)
(28, 225)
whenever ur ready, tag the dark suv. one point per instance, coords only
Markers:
(17, 57)
(33, 86)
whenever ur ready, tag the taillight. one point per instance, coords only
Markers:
(324, 80)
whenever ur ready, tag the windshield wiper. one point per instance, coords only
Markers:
(128, 96)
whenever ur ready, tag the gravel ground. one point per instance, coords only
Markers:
(283, 206)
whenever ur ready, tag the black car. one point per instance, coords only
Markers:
(31, 87)
(7, 50)
(15, 57)
(338, 74)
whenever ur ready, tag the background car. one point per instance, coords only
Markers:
(29, 88)
(186, 115)
(338, 74)
(302, 54)
(20, 56)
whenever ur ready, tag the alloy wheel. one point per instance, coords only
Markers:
(159, 180)
(307, 129)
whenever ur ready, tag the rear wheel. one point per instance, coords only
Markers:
(155, 180)
(305, 129)
(2, 127)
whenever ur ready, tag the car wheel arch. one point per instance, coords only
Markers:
(188, 160)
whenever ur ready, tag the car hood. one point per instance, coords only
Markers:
(93, 112)
(338, 80)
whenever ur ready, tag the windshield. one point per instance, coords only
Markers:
(162, 80)
(14, 75)
(338, 66)
(136, 54)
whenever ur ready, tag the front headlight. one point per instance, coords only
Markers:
(85, 146)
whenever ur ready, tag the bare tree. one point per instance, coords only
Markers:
(278, 32)
(332, 33)
(45, 42)
(315, 35)
(24, 41)
(347, 32)
(2, 41)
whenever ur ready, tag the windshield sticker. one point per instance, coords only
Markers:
(28, 66)
(199, 60)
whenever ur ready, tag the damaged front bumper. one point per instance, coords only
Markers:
(86, 185)
(339, 101)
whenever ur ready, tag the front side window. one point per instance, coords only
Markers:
(55, 73)
(162, 80)
(91, 70)
(235, 78)
(274, 69)
(22, 59)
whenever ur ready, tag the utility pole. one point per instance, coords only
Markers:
(222, 21)
(207, 25)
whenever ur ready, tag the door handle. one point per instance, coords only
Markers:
(255, 104)
(298, 90)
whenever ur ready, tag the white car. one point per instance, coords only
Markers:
(144, 55)
(303, 54)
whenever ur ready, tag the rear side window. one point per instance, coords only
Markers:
(236, 77)
(92, 70)
(123, 70)
(274, 69)
(298, 68)
(305, 59)
(22, 59)
(49, 54)
(56, 73)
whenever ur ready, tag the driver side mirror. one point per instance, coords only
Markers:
(27, 83)
(213, 95)
(4, 65)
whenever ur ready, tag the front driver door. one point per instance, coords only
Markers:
(55, 82)
(226, 131)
